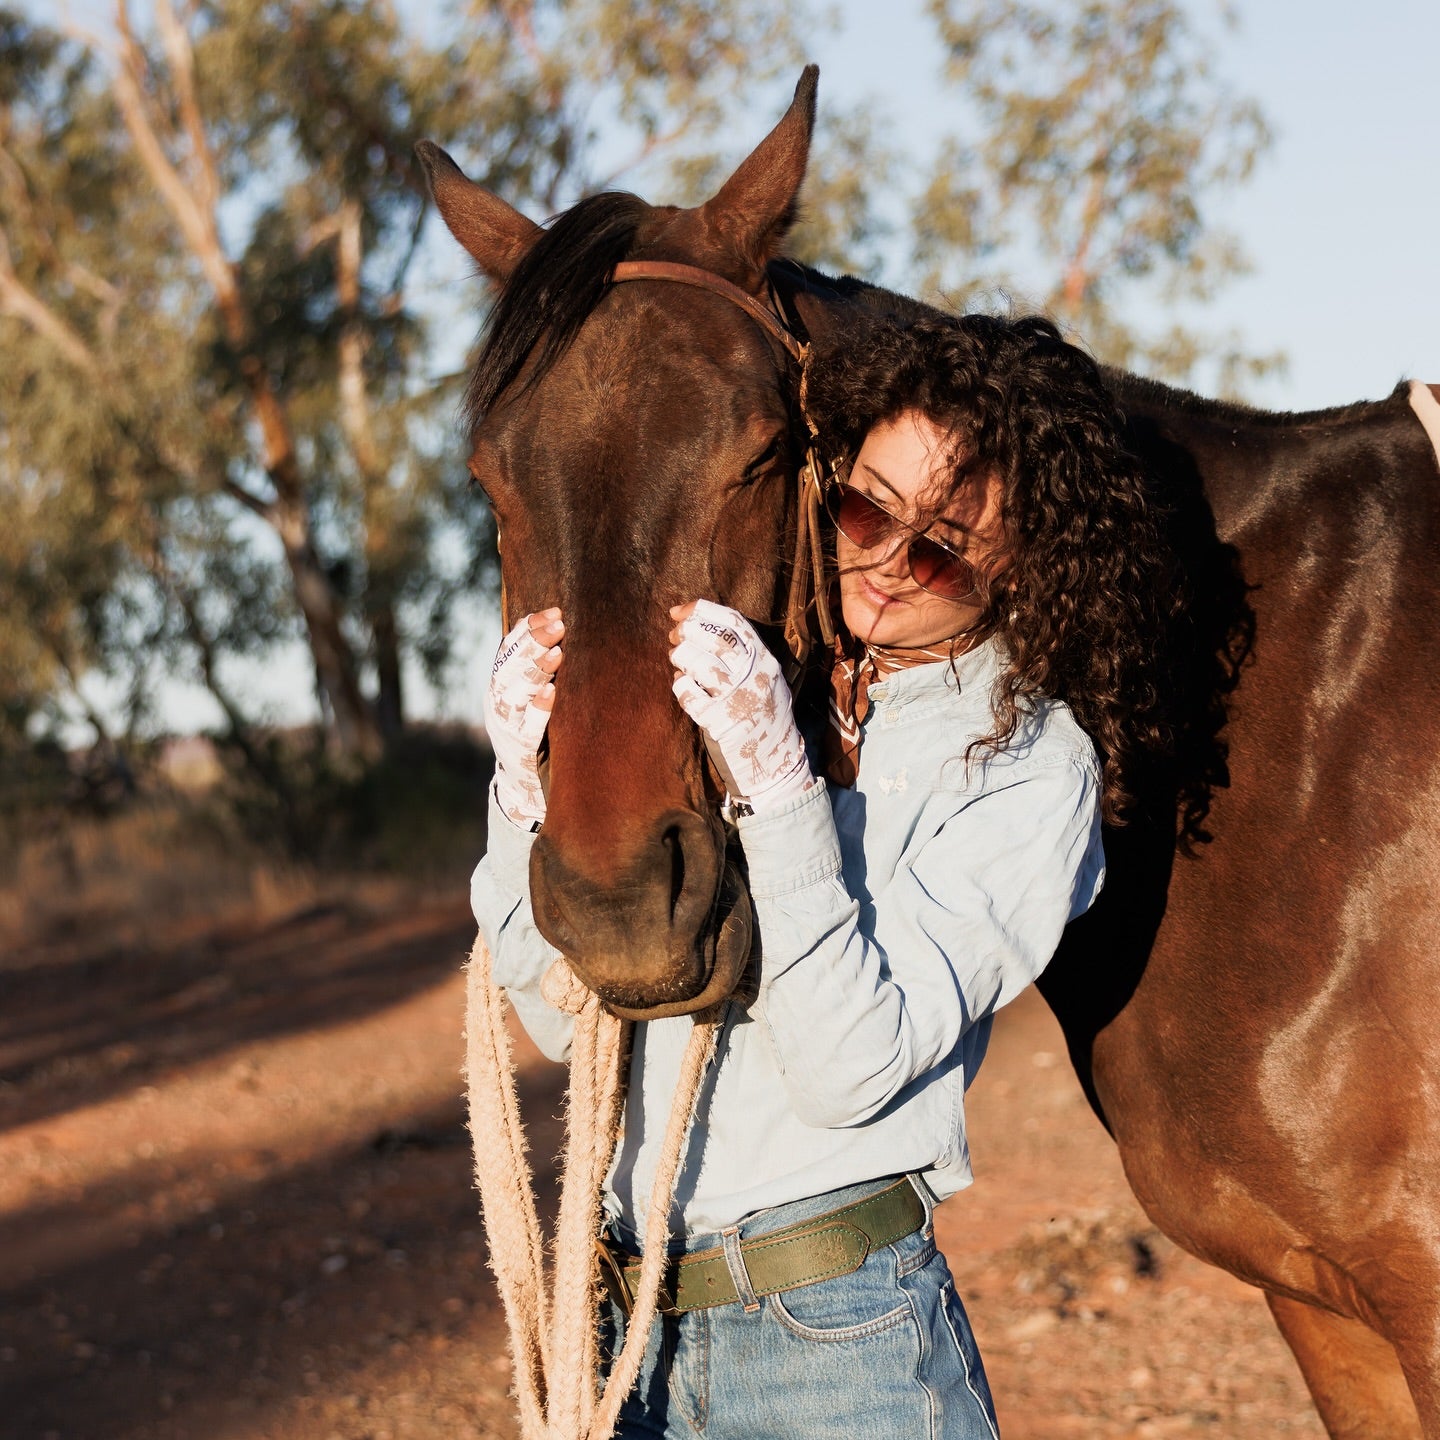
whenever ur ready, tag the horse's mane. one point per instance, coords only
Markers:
(552, 291)
(1128, 387)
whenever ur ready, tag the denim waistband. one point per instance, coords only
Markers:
(763, 1222)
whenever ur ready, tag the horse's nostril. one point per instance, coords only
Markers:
(657, 902)
(689, 867)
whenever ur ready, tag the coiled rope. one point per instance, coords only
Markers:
(553, 1329)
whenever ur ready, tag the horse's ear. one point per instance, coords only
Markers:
(495, 234)
(757, 204)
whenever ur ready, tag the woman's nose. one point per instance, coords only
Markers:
(894, 562)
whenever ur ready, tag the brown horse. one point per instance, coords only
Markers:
(1254, 1018)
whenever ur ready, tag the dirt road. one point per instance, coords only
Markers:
(235, 1203)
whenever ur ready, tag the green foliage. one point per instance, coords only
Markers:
(416, 810)
(1101, 130)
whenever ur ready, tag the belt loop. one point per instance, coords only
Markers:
(926, 1194)
(735, 1264)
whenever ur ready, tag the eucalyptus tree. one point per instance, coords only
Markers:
(209, 228)
(1095, 138)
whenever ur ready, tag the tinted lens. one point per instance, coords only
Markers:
(859, 518)
(933, 567)
(938, 570)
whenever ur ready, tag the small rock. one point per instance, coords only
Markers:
(1031, 1326)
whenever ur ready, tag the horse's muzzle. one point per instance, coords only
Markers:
(668, 933)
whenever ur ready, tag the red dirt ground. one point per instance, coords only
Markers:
(235, 1203)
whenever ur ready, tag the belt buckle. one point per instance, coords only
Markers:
(612, 1273)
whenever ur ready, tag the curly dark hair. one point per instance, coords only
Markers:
(1091, 584)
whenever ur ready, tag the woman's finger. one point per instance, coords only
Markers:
(694, 701)
(547, 626)
(518, 649)
(712, 613)
(544, 700)
(717, 633)
(726, 650)
(703, 665)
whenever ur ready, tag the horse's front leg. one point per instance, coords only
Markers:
(1354, 1374)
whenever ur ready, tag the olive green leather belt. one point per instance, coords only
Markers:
(805, 1253)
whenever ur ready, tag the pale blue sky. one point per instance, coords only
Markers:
(1341, 219)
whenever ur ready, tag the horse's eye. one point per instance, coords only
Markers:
(765, 459)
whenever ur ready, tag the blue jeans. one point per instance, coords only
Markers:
(885, 1352)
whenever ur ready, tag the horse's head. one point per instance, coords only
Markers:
(637, 443)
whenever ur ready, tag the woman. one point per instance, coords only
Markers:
(914, 852)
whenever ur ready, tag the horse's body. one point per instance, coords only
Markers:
(1260, 1026)
(1256, 1022)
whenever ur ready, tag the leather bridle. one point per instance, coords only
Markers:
(807, 575)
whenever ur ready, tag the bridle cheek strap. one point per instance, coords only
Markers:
(807, 571)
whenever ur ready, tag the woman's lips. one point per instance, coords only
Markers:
(876, 596)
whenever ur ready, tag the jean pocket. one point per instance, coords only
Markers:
(868, 1301)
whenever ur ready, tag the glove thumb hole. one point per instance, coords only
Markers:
(692, 698)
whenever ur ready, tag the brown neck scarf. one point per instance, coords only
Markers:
(856, 667)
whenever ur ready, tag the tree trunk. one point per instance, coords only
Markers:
(390, 702)
(357, 734)
(192, 193)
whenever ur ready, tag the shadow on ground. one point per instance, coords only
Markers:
(356, 1287)
(77, 1029)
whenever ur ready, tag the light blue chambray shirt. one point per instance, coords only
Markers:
(895, 918)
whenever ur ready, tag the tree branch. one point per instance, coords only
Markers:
(201, 233)
(181, 55)
(521, 17)
(21, 303)
(652, 144)
(1078, 275)
(252, 503)
(196, 224)
(354, 405)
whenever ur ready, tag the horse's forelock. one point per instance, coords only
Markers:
(554, 288)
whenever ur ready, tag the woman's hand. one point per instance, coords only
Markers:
(732, 687)
(518, 702)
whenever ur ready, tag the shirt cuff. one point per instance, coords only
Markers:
(507, 848)
(792, 847)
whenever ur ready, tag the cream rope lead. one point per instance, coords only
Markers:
(553, 1340)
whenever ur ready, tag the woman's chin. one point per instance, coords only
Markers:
(874, 623)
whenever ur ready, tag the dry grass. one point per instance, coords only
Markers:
(136, 876)
(165, 870)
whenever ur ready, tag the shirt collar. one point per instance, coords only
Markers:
(974, 672)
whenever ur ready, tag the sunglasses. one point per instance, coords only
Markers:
(934, 566)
